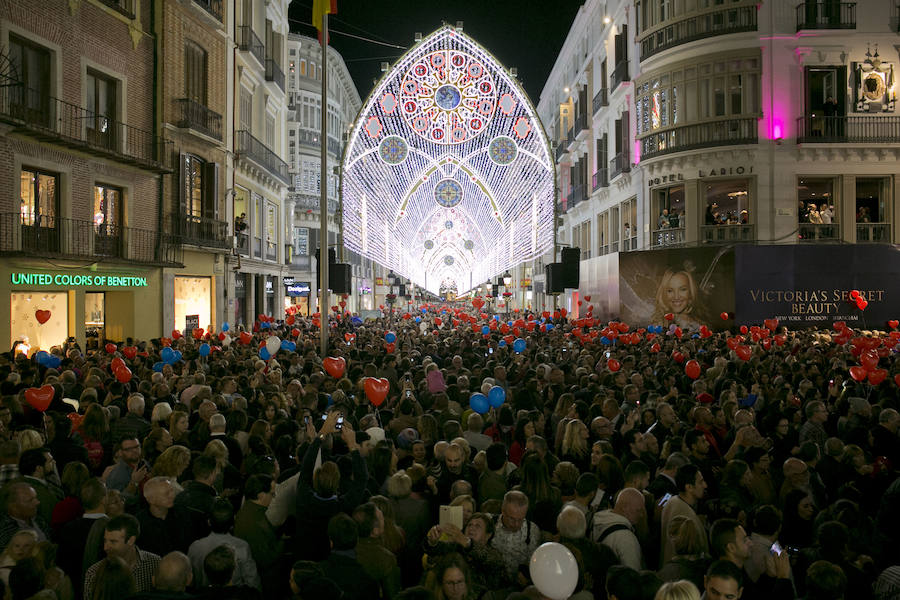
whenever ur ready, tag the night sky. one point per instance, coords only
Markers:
(525, 34)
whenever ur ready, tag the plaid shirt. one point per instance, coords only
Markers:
(143, 570)
(8, 473)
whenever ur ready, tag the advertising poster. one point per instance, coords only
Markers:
(809, 286)
(695, 285)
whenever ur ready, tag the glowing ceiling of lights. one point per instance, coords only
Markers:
(447, 176)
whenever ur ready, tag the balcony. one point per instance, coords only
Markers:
(311, 203)
(561, 150)
(55, 121)
(248, 147)
(580, 124)
(600, 179)
(198, 231)
(576, 196)
(848, 130)
(728, 132)
(725, 234)
(629, 243)
(667, 237)
(720, 22)
(213, 7)
(274, 73)
(811, 232)
(199, 118)
(826, 14)
(248, 41)
(600, 100)
(56, 237)
(619, 164)
(243, 244)
(620, 75)
(874, 233)
(334, 147)
(271, 251)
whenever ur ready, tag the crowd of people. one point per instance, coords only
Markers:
(380, 473)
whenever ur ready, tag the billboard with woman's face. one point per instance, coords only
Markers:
(694, 285)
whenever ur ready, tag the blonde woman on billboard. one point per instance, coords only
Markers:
(677, 294)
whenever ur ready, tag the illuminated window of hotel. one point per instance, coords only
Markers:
(107, 208)
(39, 198)
(727, 202)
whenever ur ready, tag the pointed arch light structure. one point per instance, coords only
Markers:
(448, 176)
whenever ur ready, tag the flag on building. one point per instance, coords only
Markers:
(320, 9)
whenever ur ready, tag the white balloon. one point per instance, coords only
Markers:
(227, 341)
(486, 388)
(273, 344)
(554, 571)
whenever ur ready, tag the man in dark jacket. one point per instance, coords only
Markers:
(341, 565)
(317, 489)
(199, 494)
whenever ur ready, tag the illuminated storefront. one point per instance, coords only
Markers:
(92, 304)
(193, 302)
(296, 293)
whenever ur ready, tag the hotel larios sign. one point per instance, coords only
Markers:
(77, 280)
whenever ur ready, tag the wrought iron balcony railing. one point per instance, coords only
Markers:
(198, 231)
(580, 124)
(826, 14)
(877, 233)
(727, 132)
(723, 234)
(576, 196)
(53, 120)
(667, 237)
(601, 99)
(57, 237)
(248, 41)
(200, 118)
(815, 232)
(213, 7)
(600, 179)
(620, 163)
(848, 130)
(247, 146)
(274, 73)
(620, 75)
(720, 22)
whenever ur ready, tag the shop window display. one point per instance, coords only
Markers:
(192, 297)
(28, 309)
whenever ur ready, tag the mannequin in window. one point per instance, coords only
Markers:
(240, 223)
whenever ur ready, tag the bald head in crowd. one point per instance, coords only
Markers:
(571, 523)
(630, 504)
(174, 574)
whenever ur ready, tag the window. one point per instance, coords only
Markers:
(668, 206)
(107, 209)
(31, 62)
(241, 217)
(303, 67)
(585, 241)
(125, 7)
(629, 224)
(602, 232)
(270, 131)
(818, 212)
(727, 202)
(192, 180)
(101, 107)
(246, 109)
(872, 195)
(271, 226)
(312, 70)
(195, 73)
(39, 198)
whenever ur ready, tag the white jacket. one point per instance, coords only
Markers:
(623, 542)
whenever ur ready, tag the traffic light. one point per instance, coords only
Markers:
(332, 258)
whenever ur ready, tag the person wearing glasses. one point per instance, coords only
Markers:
(130, 471)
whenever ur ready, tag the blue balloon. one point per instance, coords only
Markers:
(168, 355)
(502, 343)
(519, 346)
(177, 356)
(390, 337)
(497, 318)
(356, 320)
(264, 354)
(418, 319)
(158, 367)
(605, 341)
(41, 357)
(53, 361)
(204, 350)
(696, 336)
(549, 326)
(264, 325)
(485, 330)
(424, 310)
(479, 403)
(225, 326)
(496, 396)
(293, 347)
(285, 344)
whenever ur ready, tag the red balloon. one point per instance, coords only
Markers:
(477, 303)
(897, 379)
(613, 365)
(655, 347)
(893, 323)
(869, 360)
(291, 320)
(389, 348)
(130, 352)
(342, 304)
(42, 316)
(668, 316)
(854, 294)
(743, 352)
(546, 314)
(438, 321)
(246, 336)
(743, 329)
(771, 324)
(76, 419)
(858, 373)
(588, 297)
(376, 389)
(40, 398)
(692, 369)
(222, 336)
(295, 332)
(116, 364)
(724, 316)
(678, 332)
(197, 333)
(861, 303)
(349, 337)
(176, 334)
(335, 366)
(766, 344)
(110, 347)
(563, 312)
(877, 376)
(123, 375)
(678, 357)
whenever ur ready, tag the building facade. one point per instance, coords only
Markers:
(304, 129)
(83, 168)
(706, 122)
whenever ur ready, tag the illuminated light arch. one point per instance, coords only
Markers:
(448, 177)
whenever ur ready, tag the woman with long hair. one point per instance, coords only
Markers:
(689, 561)
(20, 546)
(172, 463)
(575, 445)
(178, 427)
(450, 579)
(524, 430)
(678, 295)
(74, 475)
(157, 441)
(798, 522)
(544, 498)
(94, 432)
(113, 580)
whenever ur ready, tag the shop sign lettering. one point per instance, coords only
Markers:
(724, 171)
(77, 280)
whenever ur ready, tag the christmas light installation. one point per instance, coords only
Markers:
(447, 176)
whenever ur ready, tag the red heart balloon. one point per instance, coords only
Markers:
(613, 365)
(869, 360)
(771, 324)
(894, 323)
(110, 347)
(743, 329)
(39, 398)
(477, 303)
(376, 389)
(563, 312)
(897, 379)
(342, 304)
(588, 298)
(335, 366)
(858, 373)
(678, 357)
(668, 316)
(854, 294)
(389, 348)
(42, 316)
(76, 419)
(877, 376)
(222, 336)
(655, 347)
(861, 303)
(176, 334)
(438, 321)
(295, 332)
(197, 333)
(766, 344)
(116, 364)
(291, 320)
(743, 352)
(123, 375)
(692, 369)
(724, 316)
(246, 336)
(130, 352)
(349, 337)
(165, 341)
(678, 332)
